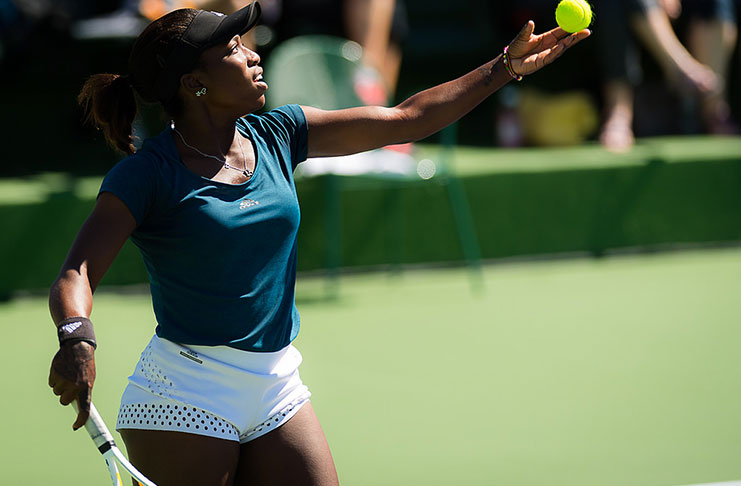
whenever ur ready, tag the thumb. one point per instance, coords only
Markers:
(519, 45)
(526, 31)
(83, 408)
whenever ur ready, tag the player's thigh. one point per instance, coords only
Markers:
(176, 458)
(295, 454)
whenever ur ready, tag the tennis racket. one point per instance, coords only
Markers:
(107, 446)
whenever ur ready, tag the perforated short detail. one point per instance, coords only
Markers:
(174, 417)
(157, 381)
(275, 420)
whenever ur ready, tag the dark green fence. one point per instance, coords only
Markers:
(522, 203)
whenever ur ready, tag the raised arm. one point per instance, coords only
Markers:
(72, 372)
(353, 130)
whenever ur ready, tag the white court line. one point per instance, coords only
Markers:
(727, 483)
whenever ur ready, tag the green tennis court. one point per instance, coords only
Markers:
(617, 371)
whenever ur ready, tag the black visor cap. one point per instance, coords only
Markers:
(207, 29)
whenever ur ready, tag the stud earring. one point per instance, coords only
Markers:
(201, 92)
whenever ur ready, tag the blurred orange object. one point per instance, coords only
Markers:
(154, 9)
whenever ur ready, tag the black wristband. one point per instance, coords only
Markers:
(76, 329)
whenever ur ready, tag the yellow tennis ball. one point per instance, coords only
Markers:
(573, 15)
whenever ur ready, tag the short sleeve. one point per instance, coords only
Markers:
(133, 180)
(288, 123)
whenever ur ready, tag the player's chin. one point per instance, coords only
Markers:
(261, 101)
(251, 104)
(258, 89)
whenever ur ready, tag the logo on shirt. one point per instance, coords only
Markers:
(248, 203)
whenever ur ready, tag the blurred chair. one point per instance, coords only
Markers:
(326, 72)
(317, 70)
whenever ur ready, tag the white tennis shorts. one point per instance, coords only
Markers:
(215, 391)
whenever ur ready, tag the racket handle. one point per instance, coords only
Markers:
(97, 429)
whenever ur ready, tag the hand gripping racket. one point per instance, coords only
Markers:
(111, 453)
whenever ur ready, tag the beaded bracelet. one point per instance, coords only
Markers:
(508, 66)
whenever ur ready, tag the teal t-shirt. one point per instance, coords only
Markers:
(221, 258)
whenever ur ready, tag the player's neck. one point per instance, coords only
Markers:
(208, 134)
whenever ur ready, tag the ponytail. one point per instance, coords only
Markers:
(109, 104)
(108, 99)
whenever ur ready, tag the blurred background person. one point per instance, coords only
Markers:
(379, 26)
(712, 36)
(127, 18)
(699, 76)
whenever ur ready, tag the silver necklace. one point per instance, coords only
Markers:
(245, 171)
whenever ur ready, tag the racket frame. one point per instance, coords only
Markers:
(103, 440)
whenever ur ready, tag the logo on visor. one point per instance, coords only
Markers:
(217, 13)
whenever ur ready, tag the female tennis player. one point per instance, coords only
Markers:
(216, 397)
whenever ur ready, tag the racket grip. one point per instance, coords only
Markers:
(97, 429)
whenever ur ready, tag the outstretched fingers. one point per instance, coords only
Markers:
(558, 33)
(556, 37)
(528, 43)
(573, 39)
(542, 50)
(548, 56)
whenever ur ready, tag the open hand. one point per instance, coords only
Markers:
(529, 52)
